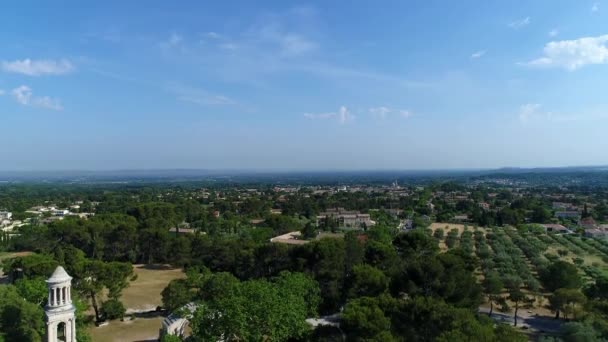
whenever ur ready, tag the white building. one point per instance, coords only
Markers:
(59, 313)
(60, 212)
(5, 215)
(177, 323)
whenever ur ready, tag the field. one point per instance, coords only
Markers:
(522, 254)
(140, 329)
(447, 227)
(142, 295)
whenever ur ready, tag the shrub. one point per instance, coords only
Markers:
(113, 309)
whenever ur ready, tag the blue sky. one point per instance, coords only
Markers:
(303, 85)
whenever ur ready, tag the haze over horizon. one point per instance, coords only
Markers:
(312, 85)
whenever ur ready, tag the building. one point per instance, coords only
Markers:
(563, 206)
(178, 322)
(59, 313)
(556, 228)
(60, 212)
(567, 214)
(588, 223)
(178, 230)
(406, 224)
(5, 215)
(461, 218)
(345, 219)
(484, 206)
(394, 212)
(596, 233)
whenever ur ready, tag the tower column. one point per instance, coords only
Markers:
(51, 331)
(68, 330)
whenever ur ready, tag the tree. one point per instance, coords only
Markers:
(566, 300)
(33, 290)
(540, 215)
(258, 310)
(309, 231)
(438, 234)
(176, 294)
(325, 259)
(354, 251)
(19, 320)
(381, 255)
(300, 286)
(492, 286)
(96, 275)
(516, 296)
(112, 309)
(170, 338)
(560, 274)
(364, 320)
(431, 319)
(579, 331)
(599, 289)
(31, 266)
(367, 281)
(415, 244)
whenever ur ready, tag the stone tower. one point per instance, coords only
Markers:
(59, 311)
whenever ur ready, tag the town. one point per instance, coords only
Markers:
(303, 171)
(514, 240)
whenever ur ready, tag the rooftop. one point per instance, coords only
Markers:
(59, 275)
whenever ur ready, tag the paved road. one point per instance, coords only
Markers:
(525, 320)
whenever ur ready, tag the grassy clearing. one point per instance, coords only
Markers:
(143, 294)
(9, 255)
(140, 329)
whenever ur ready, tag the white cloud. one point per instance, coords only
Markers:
(573, 54)
(228, 46)
(343, 115)
(553, 33)
(198, 96)
(213, 35)
(293, 44)
(382, 112)
(534, 113)
(478, 54)
(38, 67)
(319, 116)
(405, 113)
(517, 24)
(1, 92)
(174, 41)
(279, 44)
(24, 96)
(528, 111)
(595, 7)
(273, 35)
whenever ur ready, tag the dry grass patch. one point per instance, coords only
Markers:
(143, 294)
(140, 329)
